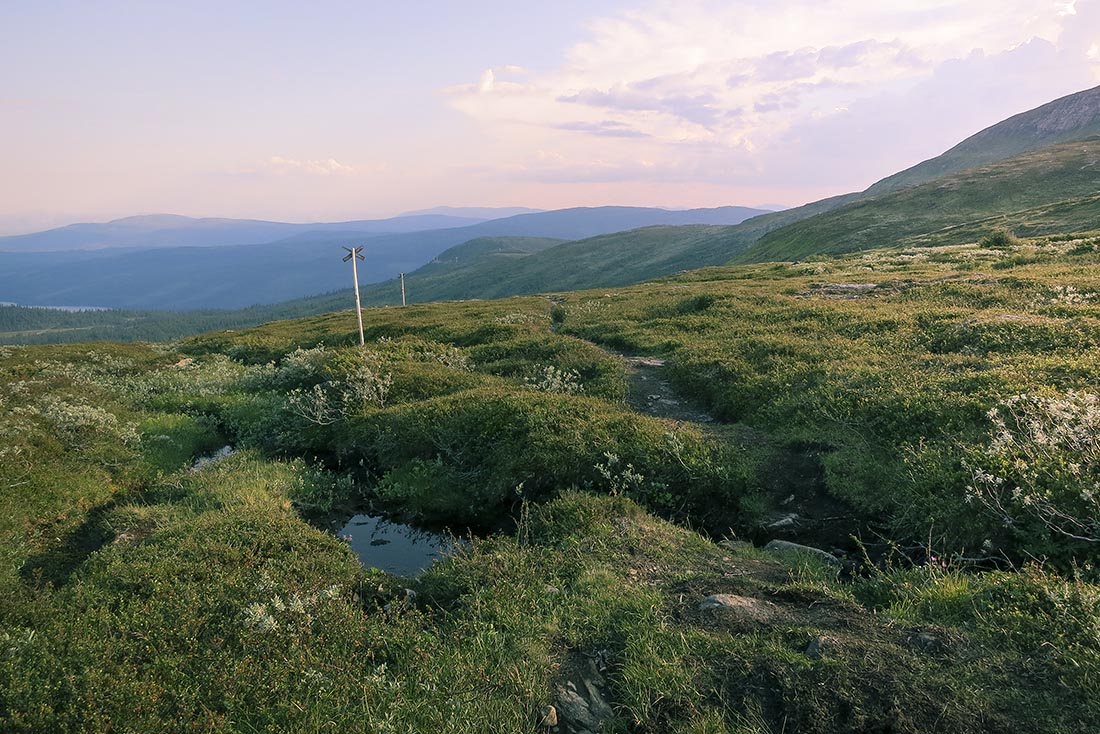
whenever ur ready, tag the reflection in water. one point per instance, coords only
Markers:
(202, 461)
(393, 547)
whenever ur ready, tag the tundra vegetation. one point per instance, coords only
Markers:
(940, 403)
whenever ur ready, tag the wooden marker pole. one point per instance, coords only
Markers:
(402, 289)
(353, 255)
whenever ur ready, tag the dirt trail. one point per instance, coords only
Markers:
(792, 477)
(652, 394)
(738, 592)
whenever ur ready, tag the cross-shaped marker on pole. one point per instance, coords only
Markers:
(353, 255)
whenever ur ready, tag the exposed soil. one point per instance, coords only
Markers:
(651, 393)
(804, 511)
(792, 477)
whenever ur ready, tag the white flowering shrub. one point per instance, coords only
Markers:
(293, 613)
(79, 422)
(302, 366)
(334, 400)
(622, 479)
(1043, 461)
(553, 380)
(366, 386)
(521, 317)
(448, 356)
(315, 405)
(1068, 295)
(212, 375)
(421, 350)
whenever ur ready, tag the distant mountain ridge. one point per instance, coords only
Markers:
(476, 212)
(301, 265)
(171, 230)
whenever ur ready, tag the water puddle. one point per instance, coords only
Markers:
(394, 548)
(211, 458)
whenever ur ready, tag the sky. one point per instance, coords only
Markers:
(333, 110)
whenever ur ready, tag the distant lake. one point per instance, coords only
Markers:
(59, 308)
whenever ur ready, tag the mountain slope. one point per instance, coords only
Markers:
(607, 260)
(1019, 182)
(1048, 190)
(1073, 117)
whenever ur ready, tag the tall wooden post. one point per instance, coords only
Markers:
(353, 255)
(402, 289)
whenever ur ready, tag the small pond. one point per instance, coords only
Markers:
(392, 547)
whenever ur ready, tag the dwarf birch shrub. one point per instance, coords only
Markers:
(79, 422)
(1067, 294)
(1042, 463)
(302, 366)
(333, 401)
(553, 380)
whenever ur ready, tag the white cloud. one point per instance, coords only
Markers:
(321, 167)
(279, 165)
(844, 90)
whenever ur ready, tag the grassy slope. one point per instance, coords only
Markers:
(1074, 117)
(135, 595)
(1044, 191)
(602, 261)
(464, 266)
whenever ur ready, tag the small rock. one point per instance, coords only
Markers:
(817, 647)
(583, 709)
(925, 642)
(789, 520)
(551, 589)
(379, 541)
(745, 607)
(549, 717)
(724, 601)
(784, 546)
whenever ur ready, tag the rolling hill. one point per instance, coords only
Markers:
(1073, 117)
(613, 259)
(1048, 190)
